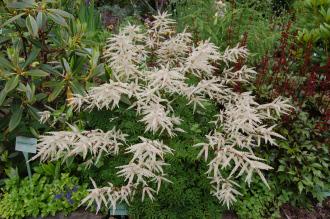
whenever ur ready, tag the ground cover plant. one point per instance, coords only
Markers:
(41, 196)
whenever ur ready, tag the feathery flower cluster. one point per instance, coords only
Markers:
(146, 165)
(201, 59)
(144, 169)
(150, 68)
(242, 124)
(63, 144)
(108, 196)
(44, 116)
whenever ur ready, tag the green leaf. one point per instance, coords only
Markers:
(41, 19)
(32, 26)
(60, 13)
(98, 71)
(40, 96)
(29, 91)
(15, 118)
(300, 186)
(11, 20)
(77, 87)
(33, 55)
(49, 69)
(5, 63)
(34, 132)
(21, 5)
(66, 66)
(11, 84)
(57, 90)
(37, 73)
(3, 95)
(57, 19)
(33, 112)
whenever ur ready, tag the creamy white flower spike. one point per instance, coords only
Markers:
(44, 116)
(63, 144)
(124, 53)
(201, 59)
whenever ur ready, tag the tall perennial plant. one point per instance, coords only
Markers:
(151, 66)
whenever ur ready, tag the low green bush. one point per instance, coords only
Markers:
(40, 196)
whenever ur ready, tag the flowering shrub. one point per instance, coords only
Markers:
(151, 68)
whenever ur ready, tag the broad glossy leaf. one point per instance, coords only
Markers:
(32, 26)
(3, 95)
(34, 132)
(57, 90)
(66, 66)
(57, 19)
(22, 4)
(29, 91)
(37, 73)
(11, 84)
(40, 96)
(98, 71)
(50, 69)
(41, 19)
(32, 56)
(15, 118)
(6, 64)
(11, 20)
(60, 13)
(33, 112)
(77, 87)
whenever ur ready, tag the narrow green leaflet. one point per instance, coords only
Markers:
(15, 118)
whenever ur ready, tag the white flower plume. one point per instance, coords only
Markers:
(124, 52)
(63, 144)
(201, 58)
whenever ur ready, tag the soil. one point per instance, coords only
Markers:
(319, 212)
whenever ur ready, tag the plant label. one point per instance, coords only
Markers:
(25, 144)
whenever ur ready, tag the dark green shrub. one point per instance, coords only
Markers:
(46, 55)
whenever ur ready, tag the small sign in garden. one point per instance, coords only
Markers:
(120, 210)
(26, 145)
